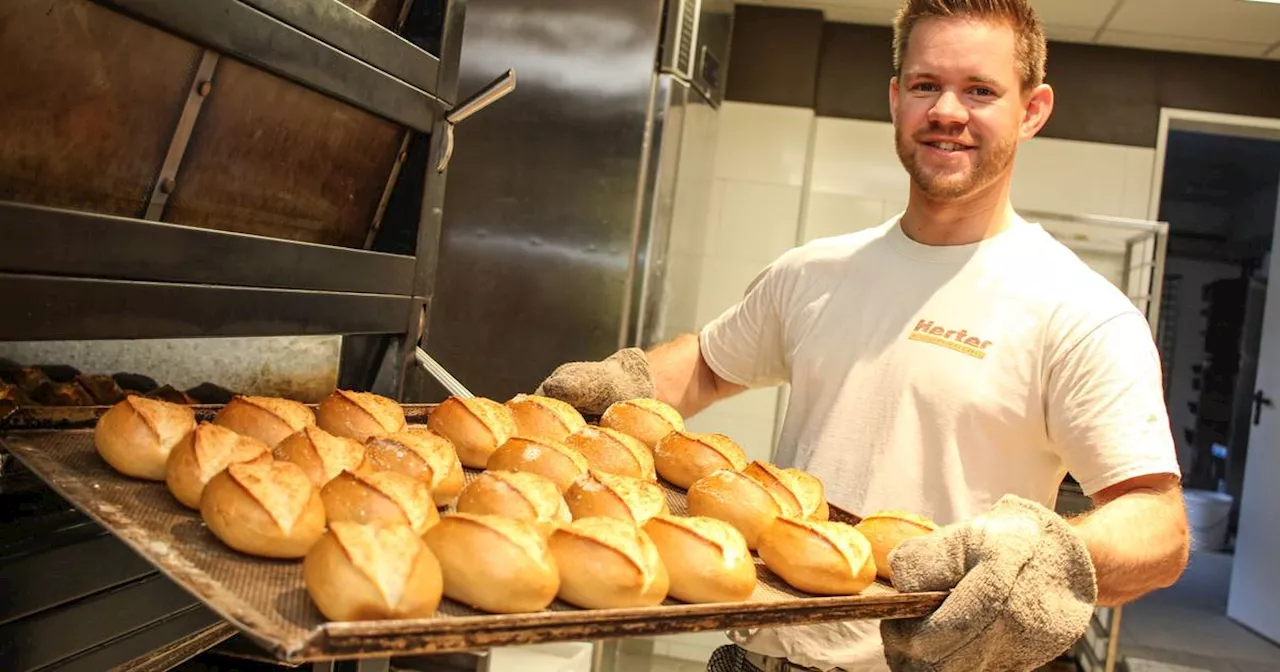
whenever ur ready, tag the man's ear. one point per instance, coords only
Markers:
(893, 99)
(1039, 106)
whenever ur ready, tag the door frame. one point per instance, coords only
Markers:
(1217, 123)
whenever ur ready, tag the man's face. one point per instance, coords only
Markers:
(959, 109)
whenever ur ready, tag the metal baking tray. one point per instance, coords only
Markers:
(267, 601)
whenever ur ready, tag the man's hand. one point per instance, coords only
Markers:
(1022, 592)
(592, 387)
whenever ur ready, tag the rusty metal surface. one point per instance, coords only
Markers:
(273, 158)
(267, 601)
(91, 98)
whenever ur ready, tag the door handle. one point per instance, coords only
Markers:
(1260, 399)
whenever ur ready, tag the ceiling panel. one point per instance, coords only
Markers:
(1176, 43)
(1225, 20)
(1070, 33)
(1079, 13)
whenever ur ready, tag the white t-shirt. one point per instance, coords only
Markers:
(936, 379)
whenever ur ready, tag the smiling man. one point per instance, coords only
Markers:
(956, 362)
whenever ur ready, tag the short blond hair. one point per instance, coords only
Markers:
(1017, 14)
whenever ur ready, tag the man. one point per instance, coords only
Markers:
(954, 362)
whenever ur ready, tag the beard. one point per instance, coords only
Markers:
(986, 162)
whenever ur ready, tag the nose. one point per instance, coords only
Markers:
(948, 109)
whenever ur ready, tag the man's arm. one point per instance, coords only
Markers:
(682, 377)
(1137, 537)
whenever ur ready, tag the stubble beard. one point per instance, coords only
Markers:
(989, 160)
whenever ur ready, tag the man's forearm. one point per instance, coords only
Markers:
(683, 379)
(1138, 541)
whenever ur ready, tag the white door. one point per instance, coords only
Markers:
(1254, 600)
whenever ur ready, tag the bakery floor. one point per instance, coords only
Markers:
(1185, 627)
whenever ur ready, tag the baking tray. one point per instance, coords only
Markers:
(267, 601)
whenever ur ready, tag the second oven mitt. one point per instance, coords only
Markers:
(1022, 592)
(591, 387)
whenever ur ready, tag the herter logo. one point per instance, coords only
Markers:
(953, 339)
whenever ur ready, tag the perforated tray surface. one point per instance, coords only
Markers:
(266, 598)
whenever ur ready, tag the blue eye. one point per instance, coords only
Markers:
(924, 86)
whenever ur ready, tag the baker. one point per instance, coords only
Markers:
(1056, 373)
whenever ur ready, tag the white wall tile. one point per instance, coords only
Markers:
(857, 158)
(1074, 177)
(835, 214)
(763, 143)
(757, 222)
(1139, 177)
(724, 282)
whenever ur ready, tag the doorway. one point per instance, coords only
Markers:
(1217, 185)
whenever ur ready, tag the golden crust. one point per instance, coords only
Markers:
(539, 417)
(547, 458)
(614, 452)
(320, 454)
(682, 457)
(359, 415)
(646, 419)
(629, 499)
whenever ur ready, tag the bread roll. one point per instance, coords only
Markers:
(796, 489)
(539, 417)
(646, 419)
(359, 415)
(547, 458)
(707, 559)
(735, 498)
(519, 495)
(320, 454)
(370, 572)
(682, 458)
(886, 529)
(267, 419)
(818, 557)
(613, 452)
(268, 509)
(384, 497)
(422, 454)
(606, 563)
(811, 493)
(493, 563)
(202, 454)
(633, 500)
(476, 426)
(136, 435)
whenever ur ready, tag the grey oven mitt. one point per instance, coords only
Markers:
(591, 387)
(1022, 592)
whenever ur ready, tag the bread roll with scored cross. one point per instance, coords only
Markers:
(320, 454)
(371, 572)
(493, 563)
(646, 419)
(267, 419)
(632, 500)
(798, 489)
(613, 452)
(739, 500)
(268, 509)
(606, 563)
(546, 458)
(384, 497)
(884, 530)
(476, 426)
(682, 458)
(707, 559)
(359, 415)
(539, 417)
(136, 435)
(818, 557)
(204, 453)
(421, 454)
(518, 495)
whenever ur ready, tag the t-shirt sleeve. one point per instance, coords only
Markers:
(1106, 412)
(744, 345)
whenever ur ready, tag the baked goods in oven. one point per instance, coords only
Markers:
(682, 458)
(267, 419)
(613, 452)
(493, 563)
(268, 509)
(204, 452)
(519, 495)
(370, 572)
(385, 497)
(646, 419)
(796, 488)
(359, 415)
(422, 454)
(476, 426)
(320, 454)
(632, 500)
(884, 530)
(136, 435)
(539, 417)
(606, 563)
(707, 560)
(818, 557)
(548, 458)
(739, 500)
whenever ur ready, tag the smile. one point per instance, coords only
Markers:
(948, 146)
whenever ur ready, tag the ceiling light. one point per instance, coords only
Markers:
(1269, 2)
